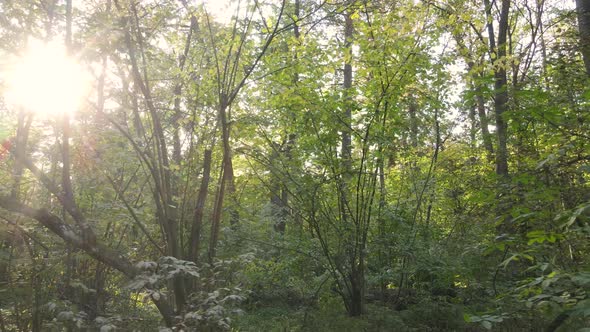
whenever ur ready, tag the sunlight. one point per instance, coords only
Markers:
(221, 10)
(46, 81)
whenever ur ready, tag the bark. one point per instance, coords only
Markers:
(195, 238)
(483, 122)
(472, 125)
(412, 111)
(347, 86)
(67, 203)
(356, 278)
(68, 191)
(162, 177)
(229, 175)
(346, 118)
(278, 193)
(276, 197)
(227, 179)
(216, 217)
(279, 196)
(480, 102)
(357, 293)
(437, 148)
(176, 148)
(99, 300)
(65, 152)
(36, 318)
(583, 10)
(66, 177)
(498, 52)
(20, 146)
(228, 89)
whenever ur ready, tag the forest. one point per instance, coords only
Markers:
(295, 165)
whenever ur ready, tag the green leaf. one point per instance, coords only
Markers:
(572, 219)
(582, 278)
(507, 261)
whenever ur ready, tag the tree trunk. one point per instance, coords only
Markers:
(163, 195)
(98, 301)
(583, 9)
(227, 178)
(476, 85)
(357, 287)
(279, 196)
(356, 277)
(195, 239)
(483, 122)
(177, 114)
(276, 195)
(20, 146)
(216, 217)
(498, 52)
(347, 86)
(472, 125)
(412, 111)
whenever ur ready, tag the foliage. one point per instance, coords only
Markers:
(300, 166)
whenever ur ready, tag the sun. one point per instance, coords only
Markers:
(46, 81)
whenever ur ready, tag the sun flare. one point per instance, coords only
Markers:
(46, 81)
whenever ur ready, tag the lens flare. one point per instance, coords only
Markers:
(46, 81)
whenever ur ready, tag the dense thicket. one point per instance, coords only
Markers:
(307, 165)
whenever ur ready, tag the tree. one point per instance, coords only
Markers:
(311, 165)
(498, 59)
(583, 9)
(150, 143)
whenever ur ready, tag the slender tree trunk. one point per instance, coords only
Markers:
(195, 239)
(98, 301)
(583, 9)
(216, 217)
(356, 278)
(476, 85)
(20, 146)
(227, 179)
(437, 148)
(541, 28)
(228, 88)
(66, 177)
(483, 122)
(276, 197)
(66, 181)
(482, 114)
(472, 125)
(346, 142)
(412, 111)
(279, 196)
(177, 114)
(501, 94)
(347, 86)
(229, 169)
(36, 285)
(160, 165)
(498, 52)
